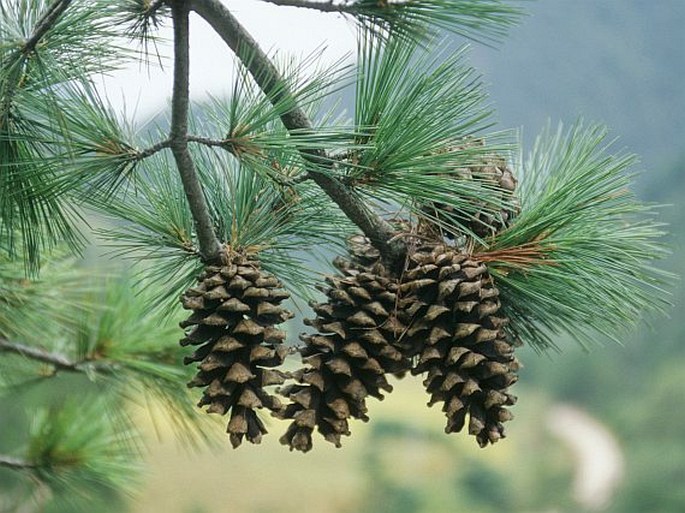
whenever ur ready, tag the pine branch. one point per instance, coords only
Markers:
(227, 144)
(15, 463)
(479, 20)
(328, 6)
(60, 43)
(149, 152)
(205, 141)
(46, 22)
(59, 361)
(269, 80)
(76, 446)
(210, 247)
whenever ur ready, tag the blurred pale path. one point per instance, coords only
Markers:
(600, 464)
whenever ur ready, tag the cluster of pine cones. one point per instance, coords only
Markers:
(441, 318)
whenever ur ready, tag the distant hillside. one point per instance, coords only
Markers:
(620, 62)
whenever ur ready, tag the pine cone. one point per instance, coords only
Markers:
(349, 356)
(235, 308)
(493, 170)
(450, 303)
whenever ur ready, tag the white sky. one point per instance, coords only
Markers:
(292, 31)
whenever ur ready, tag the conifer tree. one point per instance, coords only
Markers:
(450, 250)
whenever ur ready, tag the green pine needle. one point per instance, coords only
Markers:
(250, 123)
(250, 211)
(417, 102)
(580, 257)
(33, 310)
(34, 212)
(80, 43)
(34, 217)
(80, 140)
(141, 20)
(138, 354)
(75, 449)
(424, 110)
(485, 21)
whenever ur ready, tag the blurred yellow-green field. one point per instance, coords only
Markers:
(399, 461)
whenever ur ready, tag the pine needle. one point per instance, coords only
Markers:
(588, 245)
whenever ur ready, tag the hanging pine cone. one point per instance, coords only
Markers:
(348, 358)
(450, 303)
(494, 171)
(235, 308)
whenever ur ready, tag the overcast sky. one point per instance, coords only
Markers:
(286, 29)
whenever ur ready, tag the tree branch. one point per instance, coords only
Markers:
(149, 152)
(45, 23)
(15, 463)
(58, 361)
(328, 6)
(212, 143)
(228, 145)
(210, 248)
(269, 80)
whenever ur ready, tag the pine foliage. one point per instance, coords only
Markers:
(582, 239)
(465, 252)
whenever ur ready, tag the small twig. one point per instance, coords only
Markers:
(44, 24)
(229, 146)
(15, 463)
(204, 225)
(329, 6)
(58, 361)
(149, 152)
(212, 143)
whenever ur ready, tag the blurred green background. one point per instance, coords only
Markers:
(594, 431)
